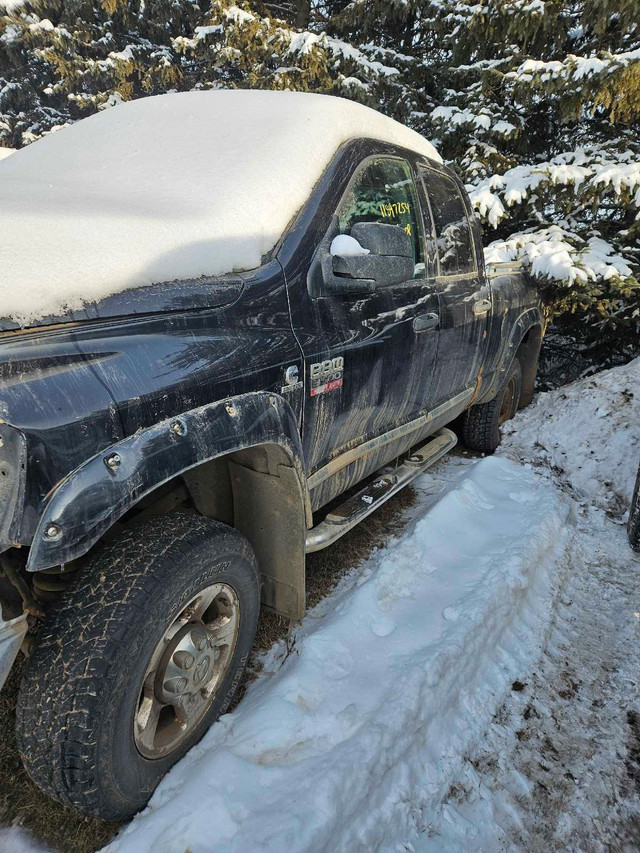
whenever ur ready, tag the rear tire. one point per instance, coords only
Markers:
(481, 424)
(84, 731)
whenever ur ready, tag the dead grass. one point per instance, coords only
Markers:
(21, 802)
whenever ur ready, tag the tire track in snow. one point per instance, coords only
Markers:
(559, 768)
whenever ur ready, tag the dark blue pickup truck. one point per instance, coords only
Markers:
(166, 451)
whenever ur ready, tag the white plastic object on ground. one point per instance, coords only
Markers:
(15, 839)
(12, 633)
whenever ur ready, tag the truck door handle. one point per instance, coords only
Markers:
(481, 306)
(424, 322)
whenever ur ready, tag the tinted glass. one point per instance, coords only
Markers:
(453, 231)
(384, 192)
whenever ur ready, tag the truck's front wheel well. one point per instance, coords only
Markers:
(527, 354)
(258, 492)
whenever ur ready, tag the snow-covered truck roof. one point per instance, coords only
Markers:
(169, 187)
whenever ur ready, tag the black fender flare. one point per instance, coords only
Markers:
(525, 321)
(87, 502)
(529, 318)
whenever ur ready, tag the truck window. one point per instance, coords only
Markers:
(384, 191)
(452, 227)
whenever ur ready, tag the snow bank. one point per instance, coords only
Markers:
(353, 742)
(588, 433)
(552, 771)
(14, 839)
(166, 187)
(4, 152)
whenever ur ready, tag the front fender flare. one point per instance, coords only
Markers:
(87, 502)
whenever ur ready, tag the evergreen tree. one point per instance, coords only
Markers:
(537, 106)
(61, 60)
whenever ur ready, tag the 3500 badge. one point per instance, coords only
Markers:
(326, 376)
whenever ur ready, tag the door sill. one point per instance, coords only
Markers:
(388, 482)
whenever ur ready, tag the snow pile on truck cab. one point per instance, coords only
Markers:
(352, 739)
(166, 187)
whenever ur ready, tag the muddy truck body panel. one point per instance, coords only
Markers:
(53, 395)
(258, 397)
(428, 345)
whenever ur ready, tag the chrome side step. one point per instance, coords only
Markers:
(388, 482)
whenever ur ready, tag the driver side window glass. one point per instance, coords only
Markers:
(384, 192)
(452, 227)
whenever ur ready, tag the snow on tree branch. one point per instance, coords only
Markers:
(484, 121)
(572, 68)
(560, 255)
(592, 173)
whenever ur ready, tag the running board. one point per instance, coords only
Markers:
(388, 482)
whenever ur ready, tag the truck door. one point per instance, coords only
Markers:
(369, 357)
(465, 299)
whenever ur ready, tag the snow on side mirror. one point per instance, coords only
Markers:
(345, 246)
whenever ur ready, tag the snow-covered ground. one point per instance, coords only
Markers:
(588, 434)
(472, 685)
(559, 766)
(436, 700)
(361, 730)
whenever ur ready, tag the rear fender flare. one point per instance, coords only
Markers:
(529, 318)
(87, 502)
(526, 321)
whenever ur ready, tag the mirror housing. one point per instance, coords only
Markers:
(379, 270)
(389, 262)
(388, 259)
(383, 239)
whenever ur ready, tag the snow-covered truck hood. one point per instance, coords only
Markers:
(169, 187)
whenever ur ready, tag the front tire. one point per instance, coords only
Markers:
(143, 654)
(481, 424)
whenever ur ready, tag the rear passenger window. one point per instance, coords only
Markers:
(453, 230)
(384, 191)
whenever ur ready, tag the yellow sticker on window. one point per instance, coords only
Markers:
(396, 208)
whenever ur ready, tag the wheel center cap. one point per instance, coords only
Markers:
(201, 670)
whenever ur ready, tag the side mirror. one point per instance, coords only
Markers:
(373, 255)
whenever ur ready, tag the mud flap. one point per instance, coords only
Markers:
(269, 511)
